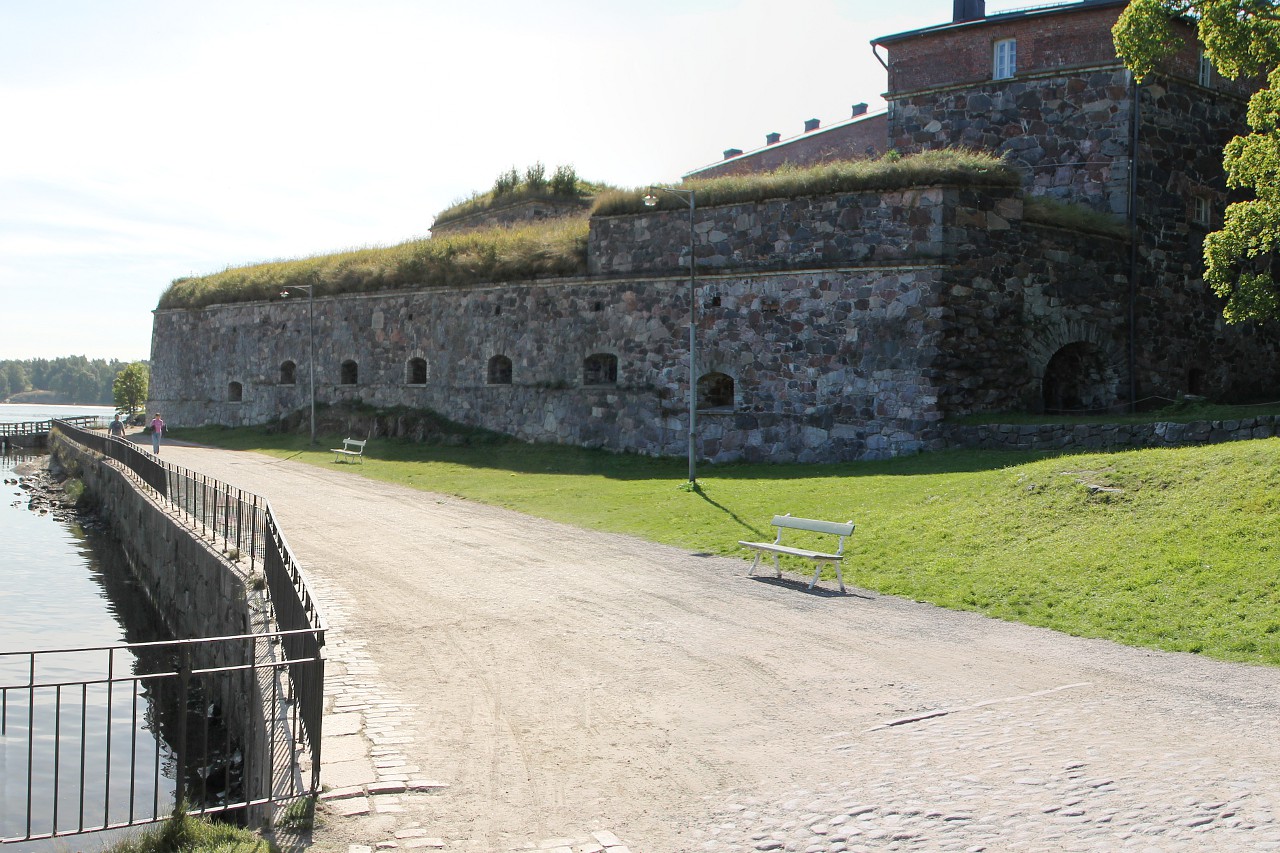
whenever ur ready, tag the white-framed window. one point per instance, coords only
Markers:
(1004, 59)
(1205, 76)
(1201, 211)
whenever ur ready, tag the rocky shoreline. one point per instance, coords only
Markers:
(40, 487)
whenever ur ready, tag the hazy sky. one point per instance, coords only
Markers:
(146, 140)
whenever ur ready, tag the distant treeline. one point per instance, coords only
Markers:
(73, 379)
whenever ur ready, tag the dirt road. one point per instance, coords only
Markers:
(584, 691)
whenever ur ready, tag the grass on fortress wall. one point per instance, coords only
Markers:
(1173, 549)
(559, 247)
(554, 248)
(952, 167)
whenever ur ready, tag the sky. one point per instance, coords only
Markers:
(147, 140)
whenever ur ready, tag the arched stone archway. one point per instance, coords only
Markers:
(1079, 377)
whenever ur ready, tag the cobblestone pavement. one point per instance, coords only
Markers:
(502, 683)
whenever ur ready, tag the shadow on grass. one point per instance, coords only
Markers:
(555, 459)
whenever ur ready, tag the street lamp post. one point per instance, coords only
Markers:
(311, 343)
(687, 196)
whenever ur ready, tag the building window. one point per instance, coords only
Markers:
(1005, 64)
(235, 392)
(715, 391)
(416, 372)
(1205, 75)
(288, 373)
(499, 370)
(350, 373)
(1201, 211)
(600, 369)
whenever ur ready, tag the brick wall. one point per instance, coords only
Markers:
(962, 55)
(850, 140)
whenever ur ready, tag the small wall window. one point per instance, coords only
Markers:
(416, 372)
(288, 373)
(350, 373)
(1205, 75)
(1005, 59)
(1201, 211)
(715, 391)
(235, 392)
(499, 370)
(600, 369)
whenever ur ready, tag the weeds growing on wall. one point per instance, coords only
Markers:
(929, 168)
(510, 187)
(559, 247)
(553, 248)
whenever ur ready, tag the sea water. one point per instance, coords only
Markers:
(65, 584)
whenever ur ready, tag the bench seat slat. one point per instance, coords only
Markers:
(813, 524)
(794, 552)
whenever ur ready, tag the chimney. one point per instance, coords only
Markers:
(730, 153)
(859, 110)
(772, 138)
(968, 10)
(811, 124)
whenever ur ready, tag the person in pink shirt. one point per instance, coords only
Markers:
(157, 430)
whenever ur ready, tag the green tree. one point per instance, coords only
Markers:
(16, 379)
(1242, 39)
(130, 388)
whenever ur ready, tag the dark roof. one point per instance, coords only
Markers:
(783, 143)
(1001, 17)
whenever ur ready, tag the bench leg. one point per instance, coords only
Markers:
(817, 570)
(777, 567)
(840, 577)
(754, 564)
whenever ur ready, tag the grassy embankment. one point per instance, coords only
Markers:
(192, 835)
(559, 247)
(1170, 549)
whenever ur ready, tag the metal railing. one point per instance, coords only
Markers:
(42, 427)
(211, 723)
(244, 523)
(240, 520)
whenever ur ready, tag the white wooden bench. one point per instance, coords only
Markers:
(350, 449)
(788, 522)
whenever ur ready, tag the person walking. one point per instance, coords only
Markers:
(117, 428)
(157, 430)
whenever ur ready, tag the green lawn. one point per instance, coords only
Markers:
(1171, 549)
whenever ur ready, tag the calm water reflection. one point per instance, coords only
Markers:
(64, 585)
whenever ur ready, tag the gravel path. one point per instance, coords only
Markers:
(499, 682)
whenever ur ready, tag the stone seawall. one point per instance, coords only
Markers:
(195, 589)
(1104, 436)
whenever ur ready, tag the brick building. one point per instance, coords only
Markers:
(861, 135)
(1043, 88)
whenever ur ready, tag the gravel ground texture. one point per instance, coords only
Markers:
(498, 682)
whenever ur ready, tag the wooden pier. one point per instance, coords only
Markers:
(36, 433)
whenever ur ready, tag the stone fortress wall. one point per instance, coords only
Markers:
(904, 306)
(833, 327)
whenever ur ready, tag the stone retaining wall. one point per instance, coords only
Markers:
(194, 588)
(1103, 436)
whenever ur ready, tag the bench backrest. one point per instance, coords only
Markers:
(348, 443)
(812, 524)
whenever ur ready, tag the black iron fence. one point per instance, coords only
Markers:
(211, 722)
(245, 525)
